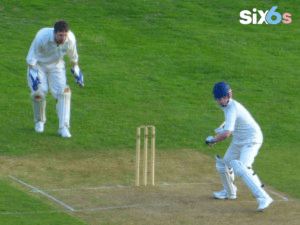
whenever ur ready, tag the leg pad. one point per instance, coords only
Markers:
(39, 107)
(63, 107)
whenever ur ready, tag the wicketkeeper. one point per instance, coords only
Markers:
(247, 139)
(46, 69)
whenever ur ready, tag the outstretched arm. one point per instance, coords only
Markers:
(220, 137)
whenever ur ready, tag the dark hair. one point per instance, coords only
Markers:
(61, 26)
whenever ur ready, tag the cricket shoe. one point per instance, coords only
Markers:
(39, 127)
(264, 203)
(64, 132)
(224, 194)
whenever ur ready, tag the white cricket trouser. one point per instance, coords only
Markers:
(241, 158)
(51, 76)
(246, 153)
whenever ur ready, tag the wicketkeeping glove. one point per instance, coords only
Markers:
(78, 75)
(35, 81)
(210, 140)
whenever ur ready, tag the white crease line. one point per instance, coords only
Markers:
(284, 198)
(160, 205)
(43, 193)
(120, 186)
(233, 202)
(158, 185)
(121, 207)
(89, 188)
(36, 212)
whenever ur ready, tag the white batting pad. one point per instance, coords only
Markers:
(255, 177)
(226, 177)
(63, 108)
(39, 107)
(251, 181)
(231, 173)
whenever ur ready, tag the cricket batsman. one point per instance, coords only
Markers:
(247, 139)
(46, 69)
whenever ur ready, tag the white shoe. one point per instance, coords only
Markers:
(39, 127)
(64, 132)
(224, 195)
(264, 203)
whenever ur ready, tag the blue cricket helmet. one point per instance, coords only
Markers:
(221, 90)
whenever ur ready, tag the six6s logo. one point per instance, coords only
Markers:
(269, 17)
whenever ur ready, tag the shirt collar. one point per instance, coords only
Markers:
(230, 102)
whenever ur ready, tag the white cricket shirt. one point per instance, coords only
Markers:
(44, 49)
(241, 124)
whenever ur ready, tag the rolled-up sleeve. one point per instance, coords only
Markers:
(230, 116)
(31, 57)
(72, 49)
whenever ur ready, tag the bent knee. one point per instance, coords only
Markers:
(227, 160)
(38, 96)
(67, 89)
(220, 168)
(237, 166)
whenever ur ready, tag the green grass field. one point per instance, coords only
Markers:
(16, 207)
(152, 62)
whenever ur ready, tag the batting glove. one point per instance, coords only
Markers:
(210, 140)
(35, 81)
(78, 75)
